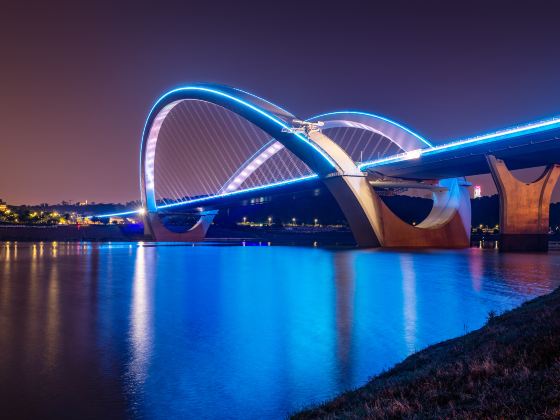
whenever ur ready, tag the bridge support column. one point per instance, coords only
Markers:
(154, 227)
(359, 203)
(524, 207)
(373, 224)
(447, 226)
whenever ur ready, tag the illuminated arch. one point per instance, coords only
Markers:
(371, 222)
(268, 117)
(406, 139)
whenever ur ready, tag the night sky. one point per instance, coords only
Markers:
(77, 81)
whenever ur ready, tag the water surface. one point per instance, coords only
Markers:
(138, 330)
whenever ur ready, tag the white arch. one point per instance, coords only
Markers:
(273, 120)
(406, 139)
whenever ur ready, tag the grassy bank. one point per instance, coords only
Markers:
(510, 368)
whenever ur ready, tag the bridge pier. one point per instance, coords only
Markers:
(373, 224)
(154, 227)
(358, 202)
(447, 226)
(524, 207)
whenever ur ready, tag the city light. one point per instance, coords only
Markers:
(477, 191)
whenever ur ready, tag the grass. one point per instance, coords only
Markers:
(510, 368)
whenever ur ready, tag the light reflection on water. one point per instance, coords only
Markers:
(140, 320)
(409, 304)
(231, 331)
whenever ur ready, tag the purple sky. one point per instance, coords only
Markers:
(77, 81)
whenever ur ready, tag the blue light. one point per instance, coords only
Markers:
(508, 133)
(513, 132)
(367, 114)
(239, 101)
(504, 134)
(124, 213)
(211, 197)
(237, 192)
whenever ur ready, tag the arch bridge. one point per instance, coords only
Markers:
(223, 142)
(308, 142)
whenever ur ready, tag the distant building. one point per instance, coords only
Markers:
(477, 191)
(3, 206)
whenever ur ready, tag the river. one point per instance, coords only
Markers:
(212, 331)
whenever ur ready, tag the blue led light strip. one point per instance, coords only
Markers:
(535, 127)
(237, 192)
(550, 124)
(212, 197)
(367, 114)
(244, 103)
(124, 213)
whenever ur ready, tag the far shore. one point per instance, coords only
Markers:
(274, 235)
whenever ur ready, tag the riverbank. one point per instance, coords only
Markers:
(277, 235)
(510, 368)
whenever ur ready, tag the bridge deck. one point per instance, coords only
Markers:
(526, 150)
(251, 197)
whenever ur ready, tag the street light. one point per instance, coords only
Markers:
(269, 221)
(293, 221)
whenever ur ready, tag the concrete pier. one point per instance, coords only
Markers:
(524, 207)
(154, 227)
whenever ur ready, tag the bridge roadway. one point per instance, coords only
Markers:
(303, 188)
(527, 148)
(530, 145)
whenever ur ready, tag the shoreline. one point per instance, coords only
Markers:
(131, 233)
(310, 236)
(509, 368)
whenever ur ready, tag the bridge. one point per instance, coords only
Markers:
(224, 145)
